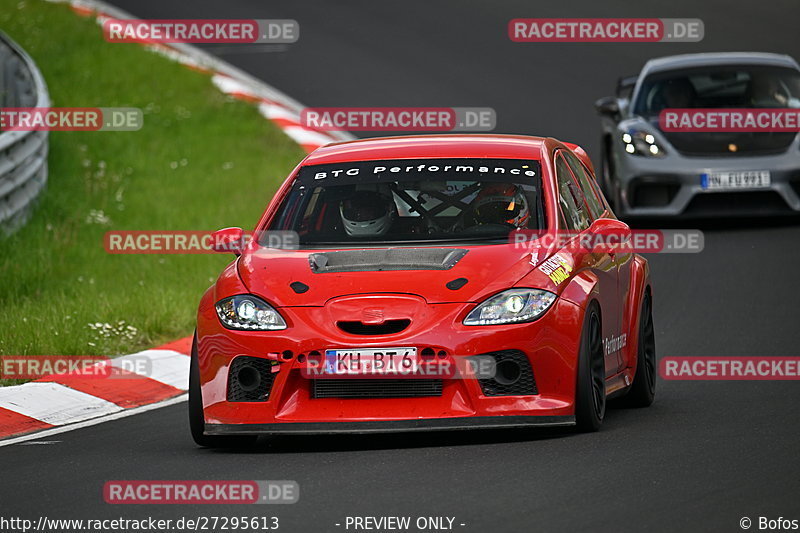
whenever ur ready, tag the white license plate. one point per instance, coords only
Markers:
(371, 361)
(739, 179)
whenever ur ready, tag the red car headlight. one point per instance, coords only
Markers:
(511, 307)
(248, 312)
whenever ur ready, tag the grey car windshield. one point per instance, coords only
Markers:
(719, 87)
(412, 201)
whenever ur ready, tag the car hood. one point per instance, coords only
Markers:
(437, 274)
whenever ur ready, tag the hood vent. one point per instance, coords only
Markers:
(299, 287)
(456, 284)
(376, 260)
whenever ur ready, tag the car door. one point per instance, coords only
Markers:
(578, 214)
(621, 257)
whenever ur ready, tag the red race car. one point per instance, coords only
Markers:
(419, 283)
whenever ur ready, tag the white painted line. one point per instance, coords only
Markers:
(304, 136)
(167, 366)
(53, 403)
(273, 112)
(81, 4)
(94, 421)
(229, 85)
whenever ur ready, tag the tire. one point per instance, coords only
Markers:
(590, 393)
(642, 391)
(196, 418)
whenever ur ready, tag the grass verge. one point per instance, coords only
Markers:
(202, 161)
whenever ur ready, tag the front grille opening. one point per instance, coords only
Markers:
(718, 144)
(250, 379)
(427, 353)
(386, 328)
(513, 375)
(375, 388)
(652, 194)
(738, 203)
(795, 183)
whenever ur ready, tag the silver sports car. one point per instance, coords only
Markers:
(649, 172)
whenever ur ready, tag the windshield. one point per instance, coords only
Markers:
(719, 87)
(412, 201)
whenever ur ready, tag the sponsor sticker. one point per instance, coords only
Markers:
(615, 343)
(557, 268)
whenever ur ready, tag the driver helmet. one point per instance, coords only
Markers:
(501, 203)
(367, 213)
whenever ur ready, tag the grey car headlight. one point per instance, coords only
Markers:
(511, 307)
(248, 312)
(641, 143)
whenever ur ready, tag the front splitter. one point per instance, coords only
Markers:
(390, 426)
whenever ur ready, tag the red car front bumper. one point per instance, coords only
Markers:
(550, 344)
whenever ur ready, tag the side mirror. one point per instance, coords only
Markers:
(625, 86)
(228, 240)
(607, 106)
(611, 235)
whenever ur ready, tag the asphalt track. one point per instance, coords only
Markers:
(703, 456)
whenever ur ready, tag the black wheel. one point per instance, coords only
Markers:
(196, 418)
(590, 397)
(643, 390)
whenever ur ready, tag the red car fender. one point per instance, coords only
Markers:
(229, 283)
(640, 282)
(581, 289)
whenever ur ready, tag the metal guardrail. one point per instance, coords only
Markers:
(23, 154)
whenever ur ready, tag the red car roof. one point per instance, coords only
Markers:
(430, 147)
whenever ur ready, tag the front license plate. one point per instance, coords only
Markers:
(740, 179)
(371, 361)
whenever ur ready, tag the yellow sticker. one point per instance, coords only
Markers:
(557, 268)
